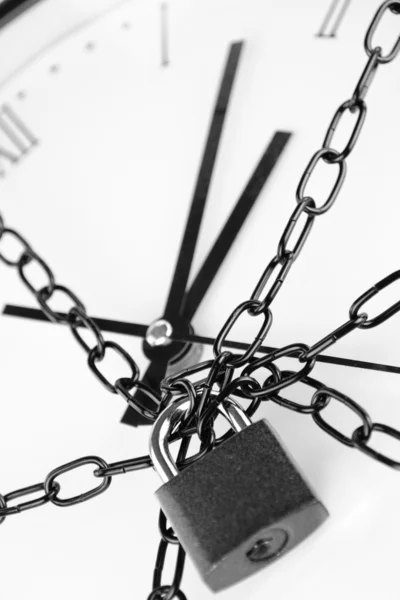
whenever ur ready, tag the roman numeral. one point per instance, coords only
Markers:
(15, 137)
(333, 18)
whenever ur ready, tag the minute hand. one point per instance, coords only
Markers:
(233, 225)
(189, 240)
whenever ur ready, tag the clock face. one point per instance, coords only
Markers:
(108, 135)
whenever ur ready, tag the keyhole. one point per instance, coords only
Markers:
(269, 547)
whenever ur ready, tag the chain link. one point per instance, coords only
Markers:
(383, 316)
(361, 444)
(168, 592)
(246, 306)
(79, 318)
(327, 393)
(6, 232)
(215, 379)
(96, 357)
(331, 157)
(349, 105)
(48, 496)
(393, 5)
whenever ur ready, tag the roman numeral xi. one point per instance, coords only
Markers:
(16, 139)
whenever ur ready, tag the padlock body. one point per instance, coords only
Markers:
(241, 506)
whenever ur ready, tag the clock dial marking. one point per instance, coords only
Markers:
(19, 139)
(333, 18)
(233, 224)
(164, 35)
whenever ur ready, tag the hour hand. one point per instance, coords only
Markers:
(234, 224)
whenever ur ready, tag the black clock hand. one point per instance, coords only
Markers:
(239, 214)
(139, 330)
(189, 240)
(109, 325)
(191, 233)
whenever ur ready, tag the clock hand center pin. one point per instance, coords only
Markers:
(159, 333)
(158, 344)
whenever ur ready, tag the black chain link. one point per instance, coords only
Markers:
(168, 592)
(48, 496)
(217, 381)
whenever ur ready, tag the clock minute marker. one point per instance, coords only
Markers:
(139, 330)
(164, 35)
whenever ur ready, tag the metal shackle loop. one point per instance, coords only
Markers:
(159, 439)
(234, 414)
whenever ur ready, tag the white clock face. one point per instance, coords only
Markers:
(114, 122)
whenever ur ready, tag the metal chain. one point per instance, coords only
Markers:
(274, 276)
(218, 380)
(76, 319)
(51, 487)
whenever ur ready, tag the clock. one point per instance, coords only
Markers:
(150, 153)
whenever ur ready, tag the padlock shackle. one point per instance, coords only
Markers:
(159, 438)
(234, 414)
(160, 455)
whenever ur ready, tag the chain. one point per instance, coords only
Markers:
(51, 487)
(218, 381)
(77, 318)
(270, 283)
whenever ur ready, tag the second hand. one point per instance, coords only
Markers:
(139, 330)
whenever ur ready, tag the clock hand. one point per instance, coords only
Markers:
(110, 325)
(191, 233)
(239, 214)
(139, 330)
(189, 240)
(323, 358)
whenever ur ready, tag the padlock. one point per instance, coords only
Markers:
(242, 505)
